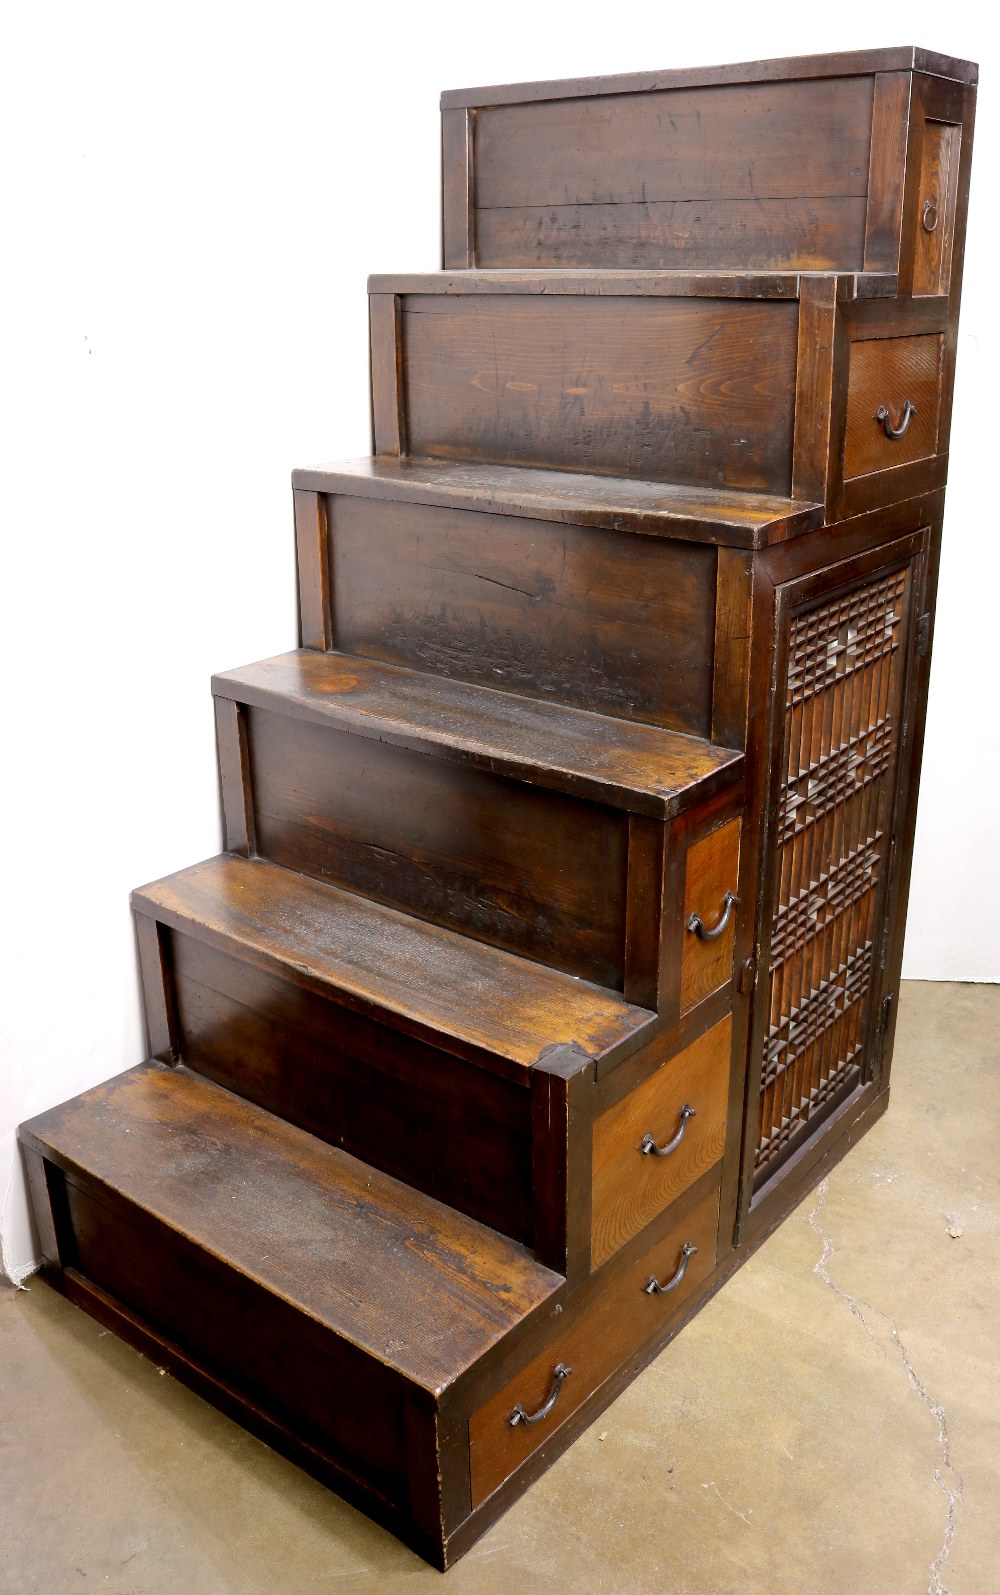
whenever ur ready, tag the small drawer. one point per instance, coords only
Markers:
(893, 402)
(659, 1139)
(591, 1343)
(710, 908)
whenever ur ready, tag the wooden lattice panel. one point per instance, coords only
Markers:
(842, 695)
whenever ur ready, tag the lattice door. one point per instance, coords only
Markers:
(843, 694)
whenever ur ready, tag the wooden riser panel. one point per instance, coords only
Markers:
(456, 1132)
(619, 624)
(676, 389)
(535, 872)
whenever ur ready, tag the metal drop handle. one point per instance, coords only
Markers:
(653, 1287)
(559, 1373)
(882, 414)
(701, 930)
(929, 218)
(649, 1146)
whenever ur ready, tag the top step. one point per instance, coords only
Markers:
(813, 163)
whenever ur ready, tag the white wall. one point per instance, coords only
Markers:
(196, 194)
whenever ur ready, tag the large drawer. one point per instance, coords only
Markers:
(590, 1343)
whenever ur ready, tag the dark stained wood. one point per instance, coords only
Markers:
(388, 426)
(768, 176)
(506, 862)
(844, 63)
(617, 1320)
(234, 772)
(630, 1187)
(890, 371)
(733, 611)
(887, 170)
(652, 509)
(814, 388)
(458, 244)
(304, 1222)
(315, 596)
(641, 768)
(711, 870)
(599, 620)
(155, 975)
(553, 699)
(461, 1135)
(644, 914)
(478, 1001)
(684, 390)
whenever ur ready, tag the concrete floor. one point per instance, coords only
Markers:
(828, 1425)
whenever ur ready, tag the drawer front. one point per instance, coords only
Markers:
(632, 1185)
(894, 382)
(711, 877)
(616, 1321)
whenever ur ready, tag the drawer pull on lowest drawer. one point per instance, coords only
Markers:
(882, 414)
(559, 1373)
(653, 1287)
(649, 1147)
(701, 930)
(929, 219)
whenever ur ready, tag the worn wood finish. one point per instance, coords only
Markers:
(651, 509)
(683, 389)
(631, 608)
(461, 1135)
(889, 373)
(768, 177)
(644, 769)
(503, 861)
(483, 1003)
(600, 620)
(712, 870)
(617, 1320)
(629, 1186)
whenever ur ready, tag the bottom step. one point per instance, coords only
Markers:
(374, 1335)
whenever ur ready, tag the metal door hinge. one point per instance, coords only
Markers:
(747, 976)
(923, 635)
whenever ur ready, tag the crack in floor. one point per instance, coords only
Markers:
(953, 1497)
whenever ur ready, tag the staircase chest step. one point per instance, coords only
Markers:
(650, 508)
(643, 769)
(501, 1011)
(328, 1306)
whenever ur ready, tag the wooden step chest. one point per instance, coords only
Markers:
(554, 951)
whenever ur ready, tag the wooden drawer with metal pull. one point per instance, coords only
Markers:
(655, 1142)
(711, 905)
(893, 402)
(589, 1344)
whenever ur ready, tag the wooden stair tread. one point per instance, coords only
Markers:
(644, 769)
(409, 1281)
(501, 1010)
(656, 509)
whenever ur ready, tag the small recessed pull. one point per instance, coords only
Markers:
(559, 1373)
(701, 930)
(649, 1147)
(882, 414)
(653, 1287)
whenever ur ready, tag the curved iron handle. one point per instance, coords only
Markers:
(649, 1146)
(653, 1287)
(882, 414)
(559, 1373)
(695, 923)
(929, 218)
